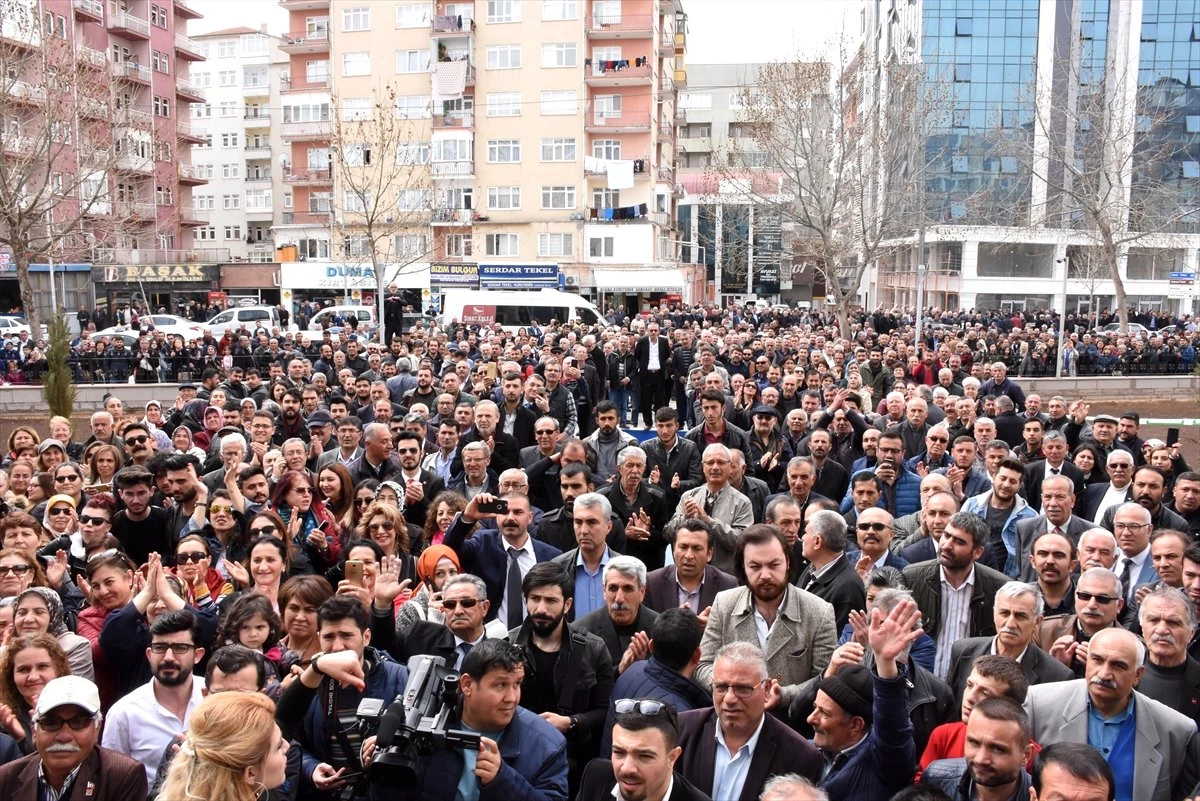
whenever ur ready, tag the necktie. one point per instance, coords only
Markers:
(1126, 575)
(512, 590)
(709, 502)
(1054, 470)
(463, 650)
(1058, 530)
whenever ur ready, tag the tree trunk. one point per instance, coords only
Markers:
(843, 315)
(26, 284)
(1114, 266)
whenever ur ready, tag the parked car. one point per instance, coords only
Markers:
(248, 317)
(11, 326)
(1136, 329)
(131, 339)
(169, 324)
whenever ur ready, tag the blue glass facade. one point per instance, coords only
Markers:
(985, 50)
(1169, 111)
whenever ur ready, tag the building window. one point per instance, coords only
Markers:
(412, 153)
(504, 151)
(163, 196)
(411, 245)
(205, 171)
(504, 57)
(355, 64)
(503, 11)
(501, 245)
(558, 149)
(607, 149)
(158, 15)
(504, 197)
(227, 48)
(232, 170)
(229, 109)
(204, 201)
(356, 19)
(412, 199)
(201, 111)
(206, 234)
(231, 139)
(316, 71)
(227, 78)
(962, 73)
(556, 245)
(558, 197)
(556, 10)
(354, 202)
(411, 107)
(206, 144)
(459, 245)
(160, 61)
(600, 247)
(408, 61)
(412, 15)
(233, 232)
(201, 80)
(560, 55)
(696, 100)
(230, 202)
(356, 108)
(162, 106)
(603, 198)
(357, 155)
(452, 150)
(558, 103)
(504, 104)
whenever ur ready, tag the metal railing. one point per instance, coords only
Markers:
(159, 256)
(625, 23)
(126, 20)
(189, 45)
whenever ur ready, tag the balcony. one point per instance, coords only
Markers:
(92, 57)
(156, 256)
(308, 177)
(258, 177)
(451, 217)
(610, 26)
(286, 84)
(629, 75)
(609, 215)
(445, 67)
(92, 10)
(453, 169)
(304, 5)
(258, 213)
(126, 23)
(257, 120)
(136, 209)
(449, 26)
(457, 119)
(26, 92)
(314, 130)
(130, 71)
(320, 218)
(183, 10)
(681, 79)
(257, 151)
(186, 133)
(187, 90)
(189, 49)
(666, 129)
(306, 41)
(666, 86)
(190, 176)
(95, 109)
(629, 122)
(661, 219)
(136, 118)
(261, 89)
(192, 216)
(131, 162)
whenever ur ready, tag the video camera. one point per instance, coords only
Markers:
(419, 722)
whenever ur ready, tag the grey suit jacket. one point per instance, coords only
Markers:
(1030, 529)
(1039, 666)
(328, 457)
(732, 513)
(799, 645)
(1166, 751)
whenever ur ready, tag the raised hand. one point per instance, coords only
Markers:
(56, 570)
(890, 635)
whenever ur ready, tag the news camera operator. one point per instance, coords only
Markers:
(496, 750)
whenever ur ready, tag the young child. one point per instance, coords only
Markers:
(251, 621)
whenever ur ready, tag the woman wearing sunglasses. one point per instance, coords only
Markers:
(224, 532)
(311, 528)
(384, 525)
(28, 665)
(364, 496)
(90, 537)
(19, 570)
(59, 518)
(193, 567)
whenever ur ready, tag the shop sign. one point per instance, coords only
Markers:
(518, 276)
(454, 276)
(132, 273)
(478, 315)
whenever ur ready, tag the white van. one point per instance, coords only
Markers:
(515, 310)
(250, 317)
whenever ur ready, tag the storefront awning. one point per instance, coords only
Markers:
(638, 280)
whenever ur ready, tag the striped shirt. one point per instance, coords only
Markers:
(955, 620)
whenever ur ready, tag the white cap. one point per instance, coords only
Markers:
(69, 691)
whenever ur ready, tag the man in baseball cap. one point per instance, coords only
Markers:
(68, 763)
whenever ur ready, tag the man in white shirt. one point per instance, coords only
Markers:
(1118, 489)
(143, 723)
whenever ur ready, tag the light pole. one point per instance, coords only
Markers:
(1062, 319)
(920, 282)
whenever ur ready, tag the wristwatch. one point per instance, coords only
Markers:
(312, 663)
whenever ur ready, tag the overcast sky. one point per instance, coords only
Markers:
(720, 31)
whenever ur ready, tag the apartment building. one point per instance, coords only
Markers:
(122, 125)
(1031, 69)
(242, 153)
(538, 137)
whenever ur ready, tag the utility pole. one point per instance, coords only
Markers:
(920, 282)
(1062, 319)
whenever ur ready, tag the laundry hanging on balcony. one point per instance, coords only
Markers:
(449, 80)
(620, 174)
(620, 213)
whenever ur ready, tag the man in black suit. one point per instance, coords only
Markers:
(829, 575)
(1017, 614)
(691, 580)
(1054, 448)
(506, 452)
(1114, 492)
(624, 619)
(464, 599)
(653, 354)
(1058, 499)
(645, 750)
(741, 686)
(500, 557)
(420, 486)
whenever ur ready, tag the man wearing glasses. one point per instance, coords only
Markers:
(142, 723)
(1148, 489)
(68, 763)
(1132, 524)
(1098, 605)
(732, 747)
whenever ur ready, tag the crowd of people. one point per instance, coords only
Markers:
(688, 556)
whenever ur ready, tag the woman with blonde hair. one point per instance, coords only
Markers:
(233, 751)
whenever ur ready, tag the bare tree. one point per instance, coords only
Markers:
(1106, 158)
(380, 158)
(64, 140)
(841, 160)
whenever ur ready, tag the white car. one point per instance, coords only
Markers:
(171, 325)
(1135, 329)
(11, 326)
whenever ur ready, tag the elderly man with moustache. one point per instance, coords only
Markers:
(1098, 606)
(1056, 504)
(1168, 624)
(1153, 750)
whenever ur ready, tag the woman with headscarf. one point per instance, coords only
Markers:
(59, 516)
(182, 441)
(436, 564)
(39, 610)
(214, 418)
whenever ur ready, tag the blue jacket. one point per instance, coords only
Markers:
(649, 678)
(385, 681)
(1007, 563)
(485, 555)
(908, 494)
(885, 762)
(533, 757)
